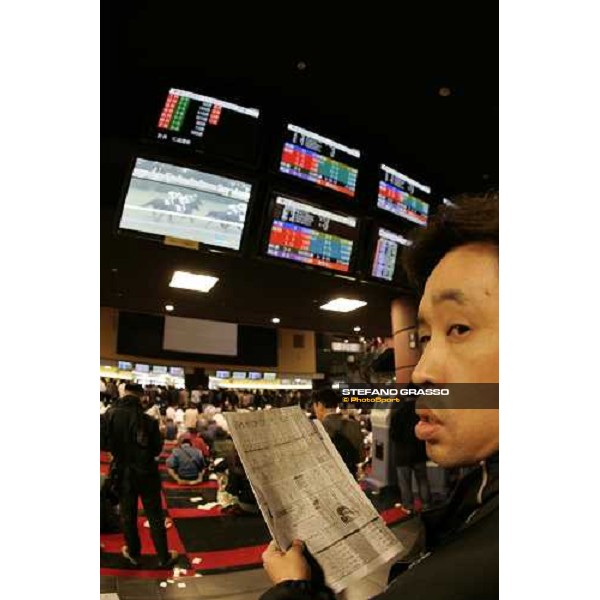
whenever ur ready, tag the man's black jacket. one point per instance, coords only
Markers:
(460, 561)
(132, 436)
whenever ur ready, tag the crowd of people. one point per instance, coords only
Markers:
(190, 426)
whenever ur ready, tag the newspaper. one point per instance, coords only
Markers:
(305, 491)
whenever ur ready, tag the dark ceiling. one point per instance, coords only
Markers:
(372, 81)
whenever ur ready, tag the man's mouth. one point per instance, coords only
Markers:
(428, 426)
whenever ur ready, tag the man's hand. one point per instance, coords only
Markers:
(284, 566)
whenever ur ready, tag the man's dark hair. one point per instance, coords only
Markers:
(134, 388)
(470, 219)
(327, 397)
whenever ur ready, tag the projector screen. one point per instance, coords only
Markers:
(200, 336)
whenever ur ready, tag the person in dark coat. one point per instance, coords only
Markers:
(410, 455)
(133, 438)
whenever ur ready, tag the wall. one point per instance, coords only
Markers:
(296, 360)
(290, 359)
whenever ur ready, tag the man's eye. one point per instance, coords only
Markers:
(423, 339)
(458, 330)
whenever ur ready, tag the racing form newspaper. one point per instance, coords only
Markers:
(305, 492)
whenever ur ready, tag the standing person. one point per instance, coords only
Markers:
(134, 440)
(170, 412)
(411, 456)
(152, 407)
(179, 416)
(344, 433)
(190, 418)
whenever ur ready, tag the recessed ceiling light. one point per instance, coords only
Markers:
(169, 307)
(192, 281)
(357, 329)
(343, 305)
(345, 341)
(275, 320)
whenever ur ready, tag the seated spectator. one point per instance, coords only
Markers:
(170, 430)
(185, 465)
(200, 444)
(223, 445)
(109, 518)
(239, 488)
(219, 419)
(209, 432)
(179, 416)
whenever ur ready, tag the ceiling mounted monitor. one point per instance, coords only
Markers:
(303, 233)
(214, 127)
(387, 253)
(402, 196)
(171, 202)
(324, 162)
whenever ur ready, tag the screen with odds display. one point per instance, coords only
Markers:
(313, 236)
(177, 202)
(386, 258)
(399, 195)
(321, 161)
(209, 125)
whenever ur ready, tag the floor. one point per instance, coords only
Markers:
(240, 585)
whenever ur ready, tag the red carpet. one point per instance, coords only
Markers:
(221, 542)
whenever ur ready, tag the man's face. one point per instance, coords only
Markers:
(458, 332)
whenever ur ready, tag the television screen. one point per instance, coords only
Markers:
(269, 376)
(239, 375)
(386, 258)
(140, 368)
(253, 375)
(209, 125)
(313, 236)
(321, 161)
(397, 195)
(223, 374)
(176, 371)
(170, 201)
(125, 366)
(346, 347)
(157, 370)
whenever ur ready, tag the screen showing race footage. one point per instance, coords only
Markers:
(386, 258)
(312, 157)
(401, 195)
(303, 233)
(172, 201)
(210, 125)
